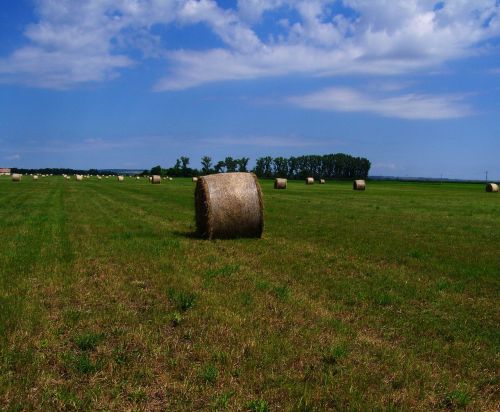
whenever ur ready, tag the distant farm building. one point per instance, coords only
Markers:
(4, 171)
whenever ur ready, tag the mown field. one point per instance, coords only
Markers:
(380, 300)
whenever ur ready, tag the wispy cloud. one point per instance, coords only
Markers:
(13, 157)
(269, 141)
(405, 106)
(76, 42)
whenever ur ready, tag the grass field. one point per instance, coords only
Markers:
(379, 300)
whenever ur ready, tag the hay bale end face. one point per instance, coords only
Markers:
(16, 177)
(156, 179)
(35, 177)
(492, 188)
(229, 205)
(194, 179)
(120, 178)
(359, 185)
(322, 181)
(280, 183)
(310, 181)
(79, 178)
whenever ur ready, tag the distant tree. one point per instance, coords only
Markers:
(185, 163)
(230, 164)
(156, 170)
(220, 167)
(242, 164)
(206, 165)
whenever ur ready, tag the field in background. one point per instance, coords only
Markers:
(378, 300)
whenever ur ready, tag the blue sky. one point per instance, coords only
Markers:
(413, 85)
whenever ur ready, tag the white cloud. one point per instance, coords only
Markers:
(13, 157)
(76, 42)
(405, 106)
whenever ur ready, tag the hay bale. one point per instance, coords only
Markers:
(155, 179)
(35, 177)
(280, 183)
(322, 181)
(310, 181)
(16, 177)
(79, 178)
(138, 178)
(170, 178)
(359, 185)
(492, 188)
(119, 178)
(194, 179)
(229, 205)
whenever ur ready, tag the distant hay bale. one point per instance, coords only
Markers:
(280, 183)
(16, 177)
(170, 178)
(229, 205)
(79, 178)
(359, 185)
(155, 179)
(194, 179)
(119, 178)
(322, 181)
(492, 188)
(310, 181)
(35, 177)
(99, 177)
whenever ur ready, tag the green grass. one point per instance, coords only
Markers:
(378, 300)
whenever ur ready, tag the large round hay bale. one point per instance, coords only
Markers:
(359, 185)
(492, 188)
(322, 181)
(79, 178)
(35, 177)
(280, 183)
(194, 179)
(119, 178)
(229, 205)
(16, 177)
(156, 179)
(310, 181)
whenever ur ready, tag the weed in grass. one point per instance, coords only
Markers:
(262, 285)
(80, 363)
(88, 341)
(176, 318)
(258, 405)
(209, 373)
(221, 402)
(458, 398)
(282, 292)
(334, 353)
(415, 254)
(220, 357)
(183, 300)
(137, 395)
(227, 270)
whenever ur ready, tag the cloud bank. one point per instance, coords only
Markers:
(76, 42)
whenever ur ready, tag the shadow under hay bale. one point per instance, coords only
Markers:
(280, 183)
(492, 188)
(16, 177)
(155, 179)
(229, 205)
(310, 181)
(359, 185)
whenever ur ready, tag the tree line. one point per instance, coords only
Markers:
(339, 165)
